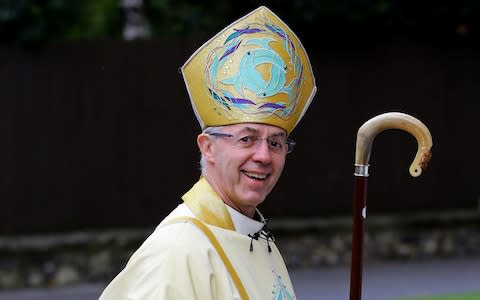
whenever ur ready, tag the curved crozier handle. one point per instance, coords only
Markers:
(394, 120)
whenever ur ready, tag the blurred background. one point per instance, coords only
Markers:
(98, 136)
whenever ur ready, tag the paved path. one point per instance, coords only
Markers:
(390, 281)
(387, 281)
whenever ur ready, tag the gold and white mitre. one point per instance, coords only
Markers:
(254, 71)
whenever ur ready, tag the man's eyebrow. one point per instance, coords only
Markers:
(248, 129)
(256, 131)
(281, 133)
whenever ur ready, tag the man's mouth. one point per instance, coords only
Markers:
(256, 176)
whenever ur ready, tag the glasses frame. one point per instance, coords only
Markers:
(289, 142)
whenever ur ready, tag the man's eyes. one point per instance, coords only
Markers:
(248, 139)
(275, 144)
(272, 142)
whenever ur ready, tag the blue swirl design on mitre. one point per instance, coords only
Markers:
(248, 78)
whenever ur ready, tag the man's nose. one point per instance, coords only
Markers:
(262, 152)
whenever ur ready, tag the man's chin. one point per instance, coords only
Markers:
(253, 200)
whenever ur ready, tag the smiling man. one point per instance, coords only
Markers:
(249, 86)
(242, 166)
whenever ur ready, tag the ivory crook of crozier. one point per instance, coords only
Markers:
(394, 120)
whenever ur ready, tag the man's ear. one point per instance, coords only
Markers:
(205, 145)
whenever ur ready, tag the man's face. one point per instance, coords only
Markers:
(244, 172)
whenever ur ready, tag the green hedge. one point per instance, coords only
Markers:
(64, 20)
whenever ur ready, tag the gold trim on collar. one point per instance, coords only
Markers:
(211, 236)
(207, 206)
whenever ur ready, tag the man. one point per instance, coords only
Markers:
(249, 86)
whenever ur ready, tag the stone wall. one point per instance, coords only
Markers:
(60, 259)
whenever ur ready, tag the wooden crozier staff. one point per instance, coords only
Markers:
(365, 136)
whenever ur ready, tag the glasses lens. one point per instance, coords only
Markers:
(277, 143)
(290, 145)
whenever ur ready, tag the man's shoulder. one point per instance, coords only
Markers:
(172, 242)
(180, 210)
(176, 233)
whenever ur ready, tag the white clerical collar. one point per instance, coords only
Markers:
(244, 224)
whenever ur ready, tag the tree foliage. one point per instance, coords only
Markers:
(64, 20)
(33, 21)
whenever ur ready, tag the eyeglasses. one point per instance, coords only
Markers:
(276, 143)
